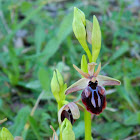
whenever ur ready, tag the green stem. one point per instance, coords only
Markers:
(59, 106)
(87, 117)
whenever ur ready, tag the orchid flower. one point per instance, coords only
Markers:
(69, 111)
(93, 95)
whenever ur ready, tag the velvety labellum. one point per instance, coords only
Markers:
(67, 114)
(94, 99)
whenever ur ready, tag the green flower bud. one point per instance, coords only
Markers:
(79, 26)
(55, 86)
(96, 39)
(5, 134)
(60, 78)
(58, 87)
(79, 23)
(66, 129)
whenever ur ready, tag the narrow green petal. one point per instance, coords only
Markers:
(84, 64)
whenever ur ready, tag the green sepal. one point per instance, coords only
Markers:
(66, 129)
(79, 23)
(5, 134)
(96, 39)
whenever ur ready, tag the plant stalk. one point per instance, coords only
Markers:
(60, 136)
(87, 117)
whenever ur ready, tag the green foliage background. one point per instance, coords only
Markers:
(36, 37)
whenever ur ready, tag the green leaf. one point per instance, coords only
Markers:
(34, 127)
(14, 74)
(20, 121)
(113, 130)
(121, 133)
(138, 117)
(43, 76)
(5, 134)
(39, 37)
(96, 39)
(79, 129)
(123, 49)
(25, 7)
(33, 84)
(132, 119)
(123, 93)
(130, 90)
(23, 23)
(53, 45)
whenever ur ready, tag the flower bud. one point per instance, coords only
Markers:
(96, 39)
(57, 86)
(79, 26)
(60, 78)
(67, 132)
(79, 23)
(5, 134)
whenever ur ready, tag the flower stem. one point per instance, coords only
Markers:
(59, 106)
(87, 117)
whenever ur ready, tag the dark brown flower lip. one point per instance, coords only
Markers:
(69, 111)
(95, 102)
(93, 85)
(67, 114)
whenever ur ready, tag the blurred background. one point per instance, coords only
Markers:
(36, 37)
